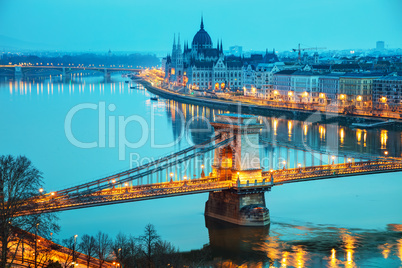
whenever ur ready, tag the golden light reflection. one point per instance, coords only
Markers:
(275, 126)
(385, 250)
(284, 260)
(271, 247)
(290, 128)
(359, 136)
(333, 262)
(300, 257)
(349, 245)
(399, 245)
(305, 129)
(342, 134)
(384, 138)
(322, 132)
(364, 138)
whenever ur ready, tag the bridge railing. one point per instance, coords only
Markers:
(116, 179)
(331, 170)
(143, 172)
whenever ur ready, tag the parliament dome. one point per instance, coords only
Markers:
(202, 39)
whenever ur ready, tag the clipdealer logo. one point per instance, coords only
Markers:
(104, 116)
(109, 124)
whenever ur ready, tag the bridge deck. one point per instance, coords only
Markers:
(60, 202)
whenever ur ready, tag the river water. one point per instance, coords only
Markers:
(77, 130)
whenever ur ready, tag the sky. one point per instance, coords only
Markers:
(132, 25)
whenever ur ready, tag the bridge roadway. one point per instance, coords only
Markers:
(52, 203)
(74, 68)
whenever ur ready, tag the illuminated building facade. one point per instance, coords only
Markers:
(355, 89)
(387, 93)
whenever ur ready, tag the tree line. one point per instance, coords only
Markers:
(20, 236)
(146, 250)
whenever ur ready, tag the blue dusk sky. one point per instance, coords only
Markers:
(131, 25)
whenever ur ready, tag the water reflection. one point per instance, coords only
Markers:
(314, 137)
(286, 245)
(384, 138)
(310, 133)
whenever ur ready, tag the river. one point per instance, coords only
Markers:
(74, 132)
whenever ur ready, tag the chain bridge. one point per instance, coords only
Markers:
(236, 183)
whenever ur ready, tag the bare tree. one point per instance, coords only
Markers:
(120, 249)
(19, 181)
(149, 241)
(70, 255)
(134, 251)
(87, 246)
(166, 254)
(103, 247)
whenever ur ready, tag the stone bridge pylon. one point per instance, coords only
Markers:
(238, 161)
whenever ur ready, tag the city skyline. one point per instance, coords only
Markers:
(134, 26)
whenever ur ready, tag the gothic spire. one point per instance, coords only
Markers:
(178, 40)
(202, 22)
(174, 41)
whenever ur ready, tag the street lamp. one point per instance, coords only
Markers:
(386, 152)
(284, 164)
(202, 171)
(40, 190)
(75, 240)
(171, 176)
(119, 255)
(333, 160)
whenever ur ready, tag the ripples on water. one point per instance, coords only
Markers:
(284, 244)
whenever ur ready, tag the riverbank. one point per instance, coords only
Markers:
(264, 110)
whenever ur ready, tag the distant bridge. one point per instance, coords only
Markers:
(236, 187)
(64, 70)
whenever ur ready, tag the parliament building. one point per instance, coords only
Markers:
(202, 66)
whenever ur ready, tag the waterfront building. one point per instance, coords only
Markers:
(304, 87)
(355, 90)
(282, 81)
(296, 86)
(258, 74)
(387, 93)
(203, 67)
(328, 85)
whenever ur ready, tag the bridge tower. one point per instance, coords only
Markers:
(238, 161)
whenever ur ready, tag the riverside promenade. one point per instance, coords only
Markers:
(264, 110)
